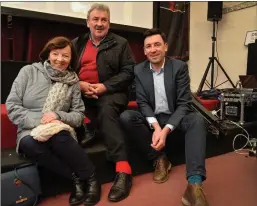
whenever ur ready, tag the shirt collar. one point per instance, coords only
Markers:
(93, 41)
(162, 68)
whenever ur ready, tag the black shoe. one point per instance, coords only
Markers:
(77, 193)
(121, 187)
(92, 192)
(88, 136)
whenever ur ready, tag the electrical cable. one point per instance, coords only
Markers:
(247, 137)
(248, 142)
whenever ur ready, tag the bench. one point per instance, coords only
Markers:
(97, 153)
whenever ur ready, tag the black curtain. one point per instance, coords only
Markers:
(22, 38)
(174, 22)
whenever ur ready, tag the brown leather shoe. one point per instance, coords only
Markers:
(194, 196)
(162, 168)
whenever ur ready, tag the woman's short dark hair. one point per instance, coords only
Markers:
(59, 42)
(155, 31)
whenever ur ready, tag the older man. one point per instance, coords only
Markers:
(163, 96)
(106, 71)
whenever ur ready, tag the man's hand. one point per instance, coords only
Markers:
(88, 90)
(84, 86)
(48, 117)
(99, 88)
(157, 130)
(156, 136)
(159, 138)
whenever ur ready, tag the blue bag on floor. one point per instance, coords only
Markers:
(21, 186)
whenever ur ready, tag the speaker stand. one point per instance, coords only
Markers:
(212, 59)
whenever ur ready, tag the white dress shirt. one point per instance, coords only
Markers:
(161, 102)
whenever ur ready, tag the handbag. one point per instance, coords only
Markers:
(20, 186)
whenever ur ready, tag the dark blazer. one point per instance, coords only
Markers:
(177, 86)
(115, 62)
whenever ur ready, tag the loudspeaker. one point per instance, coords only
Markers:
(214, 10)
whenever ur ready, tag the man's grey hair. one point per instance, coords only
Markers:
(98, 6)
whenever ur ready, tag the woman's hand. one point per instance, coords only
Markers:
(48, 117)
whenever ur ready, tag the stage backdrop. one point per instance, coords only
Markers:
(174, 22)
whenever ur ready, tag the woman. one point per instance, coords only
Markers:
(45, 94)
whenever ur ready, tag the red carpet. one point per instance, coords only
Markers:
(231, 181)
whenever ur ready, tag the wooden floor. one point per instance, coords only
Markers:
(231, 181)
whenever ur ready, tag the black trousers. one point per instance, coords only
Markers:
(192, 125)
(61, 154)
(104, 114)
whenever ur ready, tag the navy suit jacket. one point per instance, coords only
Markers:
(177, 87)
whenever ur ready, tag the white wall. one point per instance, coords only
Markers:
(231, 35)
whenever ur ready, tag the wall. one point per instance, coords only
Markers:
(231, 35)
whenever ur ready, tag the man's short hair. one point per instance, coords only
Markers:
(155, 31)
(98, 6)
